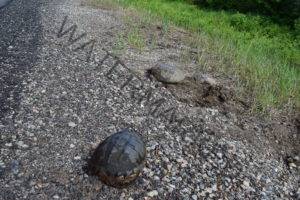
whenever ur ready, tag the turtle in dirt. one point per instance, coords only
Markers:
(119, 159)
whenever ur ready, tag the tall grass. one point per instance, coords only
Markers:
(265, 56)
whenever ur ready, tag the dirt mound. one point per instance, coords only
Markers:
(205, 91)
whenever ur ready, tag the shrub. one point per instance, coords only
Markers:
(282, 11)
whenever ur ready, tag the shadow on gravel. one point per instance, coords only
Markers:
(4, 3)
(20, 36)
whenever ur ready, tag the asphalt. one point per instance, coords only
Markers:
(19, 40)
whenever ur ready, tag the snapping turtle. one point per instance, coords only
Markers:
(119, 159)
(167, 73)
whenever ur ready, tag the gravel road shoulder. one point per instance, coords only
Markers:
(68, 105)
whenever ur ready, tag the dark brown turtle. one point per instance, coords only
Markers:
(119, 159)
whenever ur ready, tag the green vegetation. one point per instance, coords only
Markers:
(264, 55)
(136, 39)
(281, 11)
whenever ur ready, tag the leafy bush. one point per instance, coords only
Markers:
(283, 11)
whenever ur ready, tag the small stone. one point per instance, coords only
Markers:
(152, 146)
(209, 80)
(169, 167)
(220, 155)
(32, 183)
(167, 73)
(166, 179)
(214, 187)
(186, 190)
(151, 174)
(30, 134)
(56, 197)
(183, 162)
(122, 195)
(208, 190)
(188, 139)
(77, 157)
(21, 144)
(72, 145)
(2, 169)
(194, 197)
(246, 184)
(166, 159)
(170, 189)
(204, 78)
(8, 144)
(15, 165)
(72, 124)
(153, 193)
(292, 165)
(178, 179)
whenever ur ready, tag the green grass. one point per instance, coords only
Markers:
(264, 56)
(135, 39)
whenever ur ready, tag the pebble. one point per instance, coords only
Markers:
(122, 195)
(170, 189)
(188, 139)
(2, 168)
(183, 162)
(194, 197)
(77, 157)
(15, 166)
(220, 155)
(178, 179)
(214, 187)
(208, 190)
(72, 124)
(152, 145)
(292, 165)
(169, 167)
(8, 144)
(166, 159)
(21, 144)
(153, 193)
(209, 81)
(246, 184)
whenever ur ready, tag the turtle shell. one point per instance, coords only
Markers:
(119, 159)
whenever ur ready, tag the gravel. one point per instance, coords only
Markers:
(59, 107)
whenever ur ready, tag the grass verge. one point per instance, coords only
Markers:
(264, 56)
